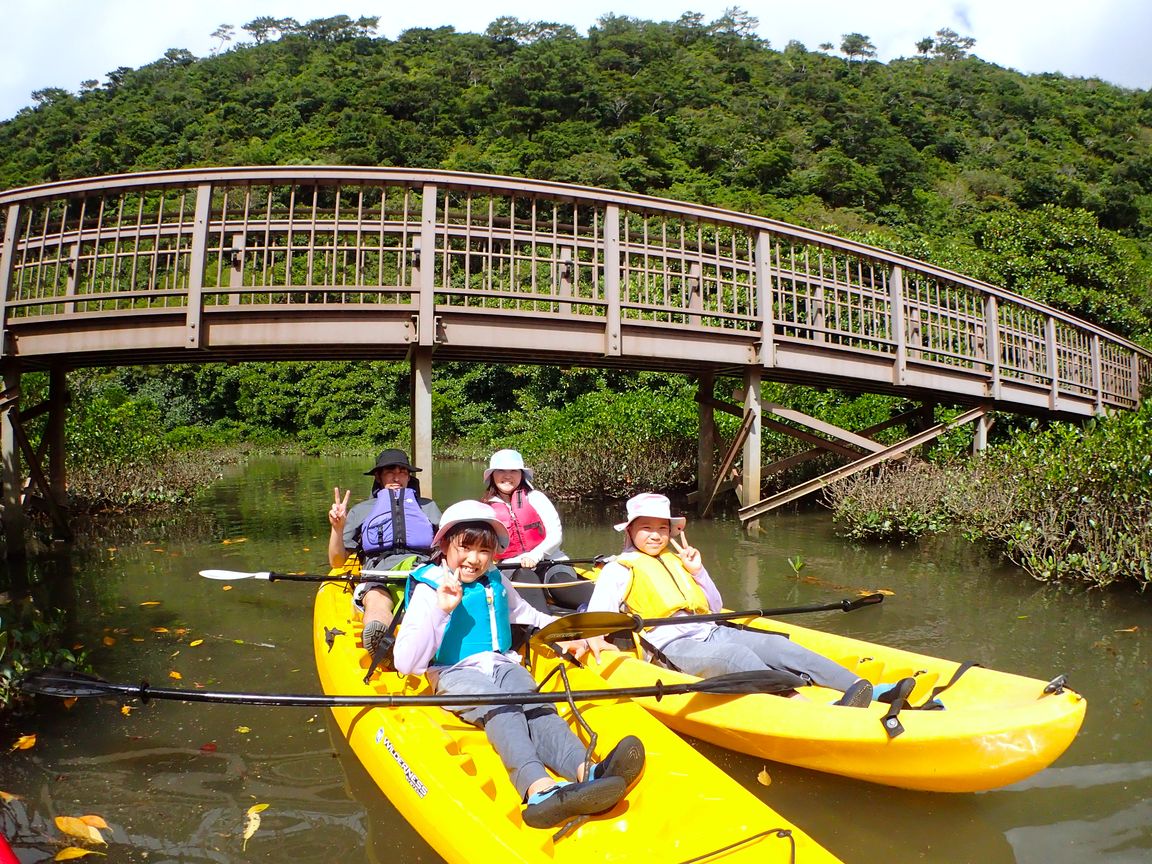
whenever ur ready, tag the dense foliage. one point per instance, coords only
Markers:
(1063, 503)
(942, 154)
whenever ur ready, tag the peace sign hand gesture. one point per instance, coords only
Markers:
(338, 512)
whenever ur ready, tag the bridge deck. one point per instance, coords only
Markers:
(316, 262)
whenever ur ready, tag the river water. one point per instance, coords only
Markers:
(174, 781)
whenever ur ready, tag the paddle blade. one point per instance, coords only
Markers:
(582, 625)
(757, 681)
(65, 684)
(231, 575)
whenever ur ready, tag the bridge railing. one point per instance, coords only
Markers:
(422, 242)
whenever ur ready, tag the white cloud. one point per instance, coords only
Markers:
(59, 43)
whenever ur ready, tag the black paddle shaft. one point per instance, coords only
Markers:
(73, 684)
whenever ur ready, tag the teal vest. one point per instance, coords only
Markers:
(480, 623)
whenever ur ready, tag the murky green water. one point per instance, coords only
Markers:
(174, 780)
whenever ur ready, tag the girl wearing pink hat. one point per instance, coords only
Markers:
(650, 580)
(457, 631)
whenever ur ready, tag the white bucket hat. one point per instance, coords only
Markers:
(472, 511)
(654, 505)
(508, 460)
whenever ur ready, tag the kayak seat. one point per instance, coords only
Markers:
(865, 667)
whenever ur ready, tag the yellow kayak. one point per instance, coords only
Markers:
(442, 776)
(995, 728)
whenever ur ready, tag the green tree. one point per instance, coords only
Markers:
(857, 45)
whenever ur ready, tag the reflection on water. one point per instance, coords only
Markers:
(175, 780)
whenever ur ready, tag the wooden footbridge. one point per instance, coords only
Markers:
(276, 263)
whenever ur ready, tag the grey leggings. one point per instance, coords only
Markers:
(728, 649)
(528, 738)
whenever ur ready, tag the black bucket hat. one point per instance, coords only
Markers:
(392, 457)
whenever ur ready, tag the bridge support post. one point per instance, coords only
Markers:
(980, 434)
(420, 377)
(706, 449)
(58, 400)
(750, 485)
(10, 475)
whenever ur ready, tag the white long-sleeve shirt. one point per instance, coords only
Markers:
(424, 624)
(613, 582)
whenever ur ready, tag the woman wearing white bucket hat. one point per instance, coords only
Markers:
(533, 524)
(649, 580)
(457, 630)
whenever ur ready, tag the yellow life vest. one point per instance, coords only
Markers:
(660, 586)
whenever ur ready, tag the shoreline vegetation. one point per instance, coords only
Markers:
(1063, 502)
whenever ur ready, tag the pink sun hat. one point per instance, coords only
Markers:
(651, 504)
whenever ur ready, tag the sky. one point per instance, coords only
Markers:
(60, 43)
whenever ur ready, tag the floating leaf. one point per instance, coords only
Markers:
(157, 550)
(1127, 630)
(226, 588)
(150, 603)
(243, 730)
(94, 821)
(237, 540)
(8, 796)
(176, 676)
(69, 853)
(210, 747)
(69, 702)
(75, 827)
(24, 742)
(125, 710)
(109, 641)
(159, 629)
(195, 642)
(252, 822)
(1021, 617)
(764, 778)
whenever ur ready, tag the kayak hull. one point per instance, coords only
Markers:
(996, 728)
(448, 783)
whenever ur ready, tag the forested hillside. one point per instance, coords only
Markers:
(1042, 184)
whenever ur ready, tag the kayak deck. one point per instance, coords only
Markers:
(996, 728)
(443, 777)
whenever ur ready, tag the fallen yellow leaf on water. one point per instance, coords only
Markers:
(864, 592)
(1127, 630)
(75, 827)
(252, 822)
(70, 853)
(8, 796)
(69, 702)
(125, 710)
(175, 675)
(764, 778)
(24, 742)
(109, 641)
(195, 642)
(157, 550)
(306, 548)
(226, 588)
(244, 730)
(150, 603)
(159, 629)
(94, 821)
(237, 540)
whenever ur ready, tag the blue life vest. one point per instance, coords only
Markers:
(395, 524)
(480, 623)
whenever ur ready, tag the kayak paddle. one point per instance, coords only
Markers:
(69, 685)
(580, 625)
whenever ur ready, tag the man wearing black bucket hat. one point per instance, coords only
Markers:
(391, 530)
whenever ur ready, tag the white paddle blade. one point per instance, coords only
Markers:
(232, 575)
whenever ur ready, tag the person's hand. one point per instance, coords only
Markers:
(690, 558)
(576, 647)
(529, 561)
(596, 644)
(450, 592)
(338, 512)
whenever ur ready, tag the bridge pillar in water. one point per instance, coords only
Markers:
(11, 475)
(750, 485)
(420, 377)
(706, 449)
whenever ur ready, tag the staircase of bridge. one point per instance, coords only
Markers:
(277, 263)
